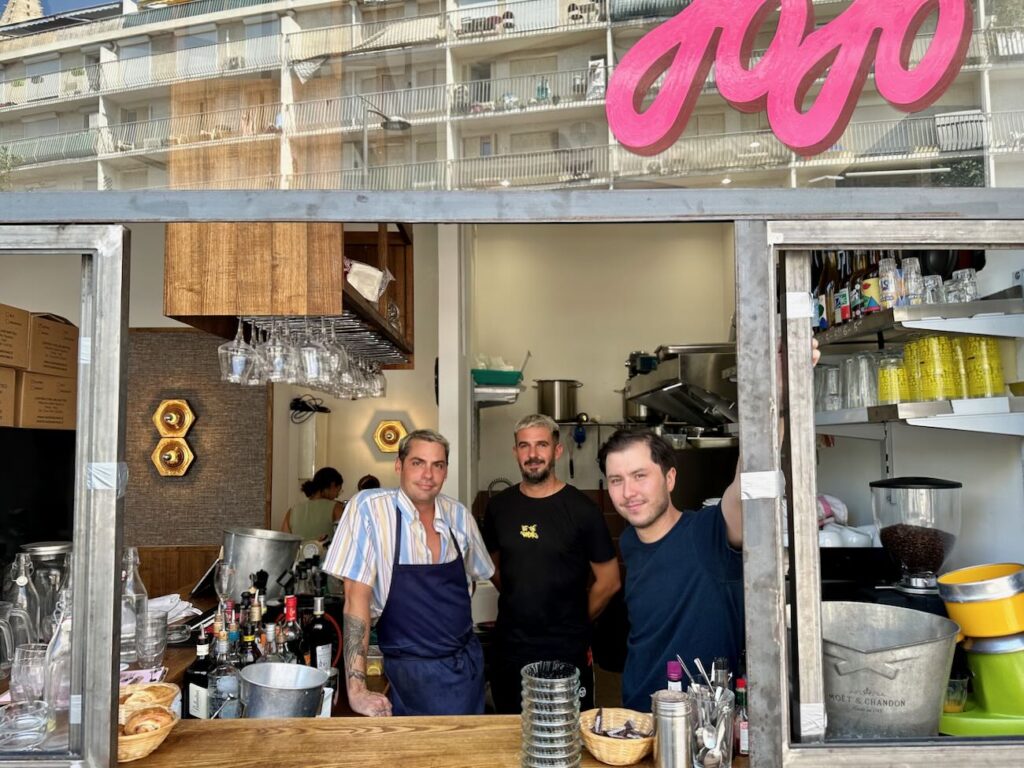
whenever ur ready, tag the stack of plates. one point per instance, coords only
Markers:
(551, 715)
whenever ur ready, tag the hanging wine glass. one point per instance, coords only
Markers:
(313, 361)
(258, 373)
(236, 358)
(380, 383)
(279, 356)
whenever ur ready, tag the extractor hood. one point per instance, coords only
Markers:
(688, 386)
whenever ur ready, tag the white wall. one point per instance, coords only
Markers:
(581, 298)
(54, 283)
(989, 466)
(410, 396)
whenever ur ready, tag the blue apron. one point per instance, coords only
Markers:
(432, 659)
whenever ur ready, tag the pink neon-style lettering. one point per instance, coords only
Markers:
(723, 32)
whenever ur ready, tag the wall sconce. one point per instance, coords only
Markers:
(173, 456)
(388, 434)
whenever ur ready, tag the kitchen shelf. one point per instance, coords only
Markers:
(993, 415)
(999, 317)
(485, 397)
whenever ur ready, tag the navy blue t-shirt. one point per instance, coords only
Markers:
(684, 594)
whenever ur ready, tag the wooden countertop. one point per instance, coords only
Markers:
(486, 741)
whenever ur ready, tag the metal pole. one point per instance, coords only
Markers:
(366, 147)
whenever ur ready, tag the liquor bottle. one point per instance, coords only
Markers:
(272, 652)
(292, 629)
(675, 676)
(224, 683)
(822, 305)
(741, 723)
(870, 287)
(196, 701)
(831, 281)
(134, 600)
(320, 639)
(841, 294)
(861, 265)
(57, 684)
(254, 625)
(720, 672)
(248, 652)
(287, 655)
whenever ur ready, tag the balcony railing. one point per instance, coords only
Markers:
(246, 124)
(428, 175)
(511, 94)
(254, 54)
(557, 167)
(486, 20)
(350, 38)
(697, 155)
(75, 33)
(262, 182)
(350, 111)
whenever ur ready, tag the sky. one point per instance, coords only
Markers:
(51, 7)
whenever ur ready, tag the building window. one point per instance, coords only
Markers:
(535, 141)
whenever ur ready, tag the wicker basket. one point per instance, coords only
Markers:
(616, 751)
(161, 694)
(141, 744)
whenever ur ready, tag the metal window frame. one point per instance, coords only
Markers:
(99, 485)
(767, 223)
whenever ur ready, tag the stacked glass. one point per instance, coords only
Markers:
(551, 715)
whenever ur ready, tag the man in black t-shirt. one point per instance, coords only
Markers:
(546, 539)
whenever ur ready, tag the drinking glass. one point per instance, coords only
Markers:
(223, 579)
(23, 725)
(28, 673)
(913, 283)
(150, 638)
(956, 695)
(933, 289)
(951, 292)
(314, 361)
(236, 358)
(967, 281)
(279, 358)
(712, 719)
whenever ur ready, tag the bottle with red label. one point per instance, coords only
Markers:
(292, 630)
(741, 723)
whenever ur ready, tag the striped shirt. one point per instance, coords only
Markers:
(363, 548)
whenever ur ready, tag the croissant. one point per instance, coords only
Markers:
(138, 698)
(147, 719)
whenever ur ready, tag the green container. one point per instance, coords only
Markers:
(997, 664)
(488, 378)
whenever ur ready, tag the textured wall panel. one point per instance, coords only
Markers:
(226, 485)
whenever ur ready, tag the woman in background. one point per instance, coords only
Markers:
(315, 518)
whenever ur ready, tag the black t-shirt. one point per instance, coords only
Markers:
(545, 548)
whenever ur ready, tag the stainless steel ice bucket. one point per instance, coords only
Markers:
(254, 549)
(273, 689)
(885, 669)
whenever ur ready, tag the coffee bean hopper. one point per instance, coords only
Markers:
(918, 520)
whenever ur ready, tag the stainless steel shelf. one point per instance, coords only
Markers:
(485, 397)
(1000, 317)
(993, 415)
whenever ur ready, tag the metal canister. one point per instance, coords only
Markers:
(673, 729)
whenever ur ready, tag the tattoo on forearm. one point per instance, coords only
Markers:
(355, 642)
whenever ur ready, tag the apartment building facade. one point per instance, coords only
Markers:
(435, 94)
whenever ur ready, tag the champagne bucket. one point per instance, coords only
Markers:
(252, 549)
(272, 689)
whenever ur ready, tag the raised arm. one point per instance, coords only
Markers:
(356, 643)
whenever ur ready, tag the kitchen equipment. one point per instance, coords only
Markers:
(918, 519)
(556, 398)
(273, 689)
(985, 600)
(251, 550)
(673, 729)
(640, 362)
(996, 706)
(885, 670)
(49, 560)
(688, 384)
(633, 411)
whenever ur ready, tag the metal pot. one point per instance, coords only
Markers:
(254, 549)
(556, 398)
(273, 689)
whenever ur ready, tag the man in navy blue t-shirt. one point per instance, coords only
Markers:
(684, 570)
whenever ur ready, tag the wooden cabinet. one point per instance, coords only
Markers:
(216, 272)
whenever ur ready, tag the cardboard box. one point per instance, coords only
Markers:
(8, 378)
(14, 330)
(45, 402)
(53, 346)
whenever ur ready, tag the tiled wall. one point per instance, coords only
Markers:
(226, 484)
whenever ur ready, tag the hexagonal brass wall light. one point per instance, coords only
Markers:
(172, 456)
(388, 434)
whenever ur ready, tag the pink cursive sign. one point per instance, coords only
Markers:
(723, 32)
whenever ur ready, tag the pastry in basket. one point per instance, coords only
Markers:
(147, 719)
(138, 698)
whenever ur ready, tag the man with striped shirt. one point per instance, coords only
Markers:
(408, 556)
